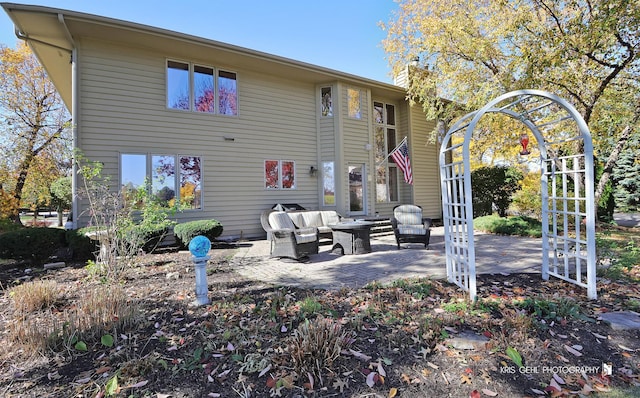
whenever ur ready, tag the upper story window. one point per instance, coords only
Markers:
(177, 85)
(326, 101)
(195, 88)
(227, 93)
(203, 89)
(354, 103)
(384, 113)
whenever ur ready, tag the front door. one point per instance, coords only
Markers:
(357, 189)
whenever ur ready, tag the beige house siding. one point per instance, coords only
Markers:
(402, 77)
(327, 134)
(424, 161)
(122, 100)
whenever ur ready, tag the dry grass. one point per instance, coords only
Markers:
(103, 310)
(315, 345)
(39, 329)
(34, 296)
(513, 326)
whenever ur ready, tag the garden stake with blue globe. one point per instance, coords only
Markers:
(199, 247)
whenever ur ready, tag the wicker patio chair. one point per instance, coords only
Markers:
(409, 226)
(286, 239)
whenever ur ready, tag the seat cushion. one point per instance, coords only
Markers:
(412, 229)
(329, 217)
(312, 218)
(280, 220)
(306, 238)
(297, 219)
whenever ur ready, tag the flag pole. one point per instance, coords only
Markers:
(390, 152)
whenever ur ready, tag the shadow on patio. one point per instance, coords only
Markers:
(494, 254)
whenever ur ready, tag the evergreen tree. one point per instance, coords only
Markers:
(626, 177)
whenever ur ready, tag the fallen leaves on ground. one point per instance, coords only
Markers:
(396, 339)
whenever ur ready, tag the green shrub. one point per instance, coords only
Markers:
(493, 187)
(145, 236)
(186, 231)
(7, 225)
(550, 310)
(32, 244)
(520, 225)
(81, 246)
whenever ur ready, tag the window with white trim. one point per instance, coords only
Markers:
(279, 174)
(354, 103)
(326, 101)
(201, 88)
(173, 180)
(328, 184)
(384, 135)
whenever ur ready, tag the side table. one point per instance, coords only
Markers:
(352, 237)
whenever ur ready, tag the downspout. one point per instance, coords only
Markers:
(74, 122)
(74, 136)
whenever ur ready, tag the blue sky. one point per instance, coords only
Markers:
(337, 34)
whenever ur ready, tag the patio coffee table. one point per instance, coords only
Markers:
(351, 237)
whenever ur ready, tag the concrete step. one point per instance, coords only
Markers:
(382, 226)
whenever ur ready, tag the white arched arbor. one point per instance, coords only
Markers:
(567, 186)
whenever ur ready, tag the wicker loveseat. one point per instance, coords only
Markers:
(409, 226)
(320, 219)
(286, 239)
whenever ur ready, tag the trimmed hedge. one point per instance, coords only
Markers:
(186, 231)
(38, 244)
(81, 246)
(35, 244)
(145, 237)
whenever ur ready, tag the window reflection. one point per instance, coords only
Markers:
(203, 98)
(190, 182)
(328, 184)
(327, 105)
(177, 85)
(227, 93)
(133, 175)
(356, 189)
(163, 182)
(354, 103)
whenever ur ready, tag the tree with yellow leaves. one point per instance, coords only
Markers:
(474, 51)
(35, 127)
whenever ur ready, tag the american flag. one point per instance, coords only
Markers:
(401, 156)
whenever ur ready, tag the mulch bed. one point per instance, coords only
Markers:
(401, 338)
